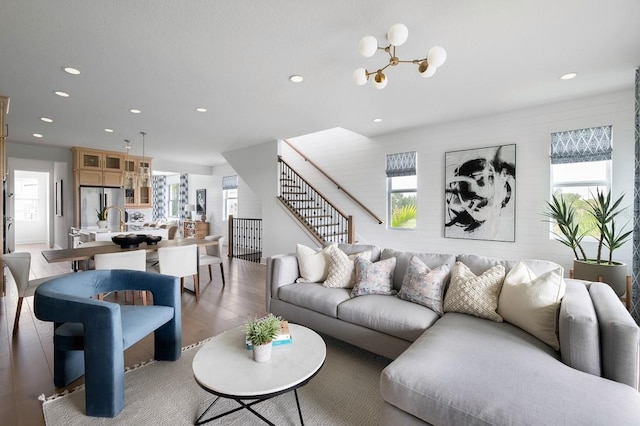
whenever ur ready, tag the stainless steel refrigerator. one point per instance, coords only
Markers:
(93, 198)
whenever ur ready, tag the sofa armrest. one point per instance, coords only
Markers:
(578, 329)
(281, 270)
(619, 336)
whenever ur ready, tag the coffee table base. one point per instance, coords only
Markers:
(246, 406)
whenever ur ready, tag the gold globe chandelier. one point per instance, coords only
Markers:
(396, 36)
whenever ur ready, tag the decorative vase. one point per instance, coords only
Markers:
(615, 275)
(262, 353)
(102, 224)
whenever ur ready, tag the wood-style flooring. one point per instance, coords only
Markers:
(26, 360)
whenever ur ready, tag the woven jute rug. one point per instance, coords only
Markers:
(345, 392)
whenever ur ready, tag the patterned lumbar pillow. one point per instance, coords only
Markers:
(313, 264)
(341, 272)
(374, 278)
(474, 295)
(532, 302)
(423, 285)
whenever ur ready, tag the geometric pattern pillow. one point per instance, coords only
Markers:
(373, 278)
(313, 264)
(424, 286)
(532, 303)
(474, 295)
(341, 272)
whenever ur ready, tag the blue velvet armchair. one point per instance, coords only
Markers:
(90, 335)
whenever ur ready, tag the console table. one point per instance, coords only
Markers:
(195, 229)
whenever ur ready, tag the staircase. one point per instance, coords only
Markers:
(324, 221)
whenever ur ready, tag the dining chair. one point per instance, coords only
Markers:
(180, 261)
(213, 255)
(135, 260)
(90, 263)
(19, 265)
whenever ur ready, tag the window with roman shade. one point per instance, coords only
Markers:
(229, 196)
(402, 190)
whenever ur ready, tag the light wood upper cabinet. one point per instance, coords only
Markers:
(98, 168)
(136, 193)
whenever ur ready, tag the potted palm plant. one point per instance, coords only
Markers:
(602, 211)
(102, 217)
(261, 332)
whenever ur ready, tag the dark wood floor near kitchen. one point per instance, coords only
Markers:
(26, 360)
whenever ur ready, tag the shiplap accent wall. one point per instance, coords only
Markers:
(358, 163)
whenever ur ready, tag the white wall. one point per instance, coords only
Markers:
(358, 163)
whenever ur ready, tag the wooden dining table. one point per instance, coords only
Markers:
(84, 254)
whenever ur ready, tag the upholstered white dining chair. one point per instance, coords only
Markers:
(19, 265)
(213, 255)
(180, 261)
(135, 260)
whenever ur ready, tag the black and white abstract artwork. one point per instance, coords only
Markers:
(480, 187)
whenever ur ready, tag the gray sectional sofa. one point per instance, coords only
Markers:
(458, 369)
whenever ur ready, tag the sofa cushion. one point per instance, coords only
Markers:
(342, 272)
(578, 329)
(468, 371)
(432, 260)
(425, 286)
(373, 278)
(389, 315)
(532, 302)
(314, 296)
(313, 264)
(478, 264)
(473, 294)
(360, 248)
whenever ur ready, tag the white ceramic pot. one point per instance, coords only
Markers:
(262, 353)
(102, 224)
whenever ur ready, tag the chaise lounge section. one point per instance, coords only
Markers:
(461, 369)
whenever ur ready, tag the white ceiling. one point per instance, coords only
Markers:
(234, 57)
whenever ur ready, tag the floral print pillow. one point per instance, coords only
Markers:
(374, 278)
(425, 286)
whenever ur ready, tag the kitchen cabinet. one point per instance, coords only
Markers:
(137, 192)
(98, 168)
(194, 229)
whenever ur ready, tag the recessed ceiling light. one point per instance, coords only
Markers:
(71, 70)
(135, 111)
(108, 130)
(201, 109)
(377, 120)
(296, 78)
(568, 76)
(61, 94)
(37, 135)
(46, 119)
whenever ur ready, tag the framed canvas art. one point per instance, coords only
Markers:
(201, 205)
(58, 197)
(479, 193)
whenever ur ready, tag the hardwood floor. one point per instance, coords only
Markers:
(26, 360)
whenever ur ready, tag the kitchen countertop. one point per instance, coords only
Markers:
(96, 234)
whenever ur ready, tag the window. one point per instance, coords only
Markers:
(581, 166)
(402, 189)
(230, 196)
(174, 200)
(26, 199)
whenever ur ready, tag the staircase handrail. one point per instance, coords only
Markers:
(340, 187)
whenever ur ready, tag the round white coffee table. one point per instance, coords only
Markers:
(225, 367)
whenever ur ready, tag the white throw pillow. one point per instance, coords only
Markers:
(532, 303)
(313, 264)
(474, 295)
(342, 273)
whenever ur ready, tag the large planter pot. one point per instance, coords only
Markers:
(615, 275)
(262, 353)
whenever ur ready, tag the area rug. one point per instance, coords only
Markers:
(345, 392)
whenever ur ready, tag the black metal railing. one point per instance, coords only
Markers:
(319, 216)
(245, 238)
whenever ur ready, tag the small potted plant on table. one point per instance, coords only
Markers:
(261, 332)
(602, 212)
(102, 217)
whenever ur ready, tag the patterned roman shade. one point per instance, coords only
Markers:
(401, 164)
(230, 182)
(578, 146)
